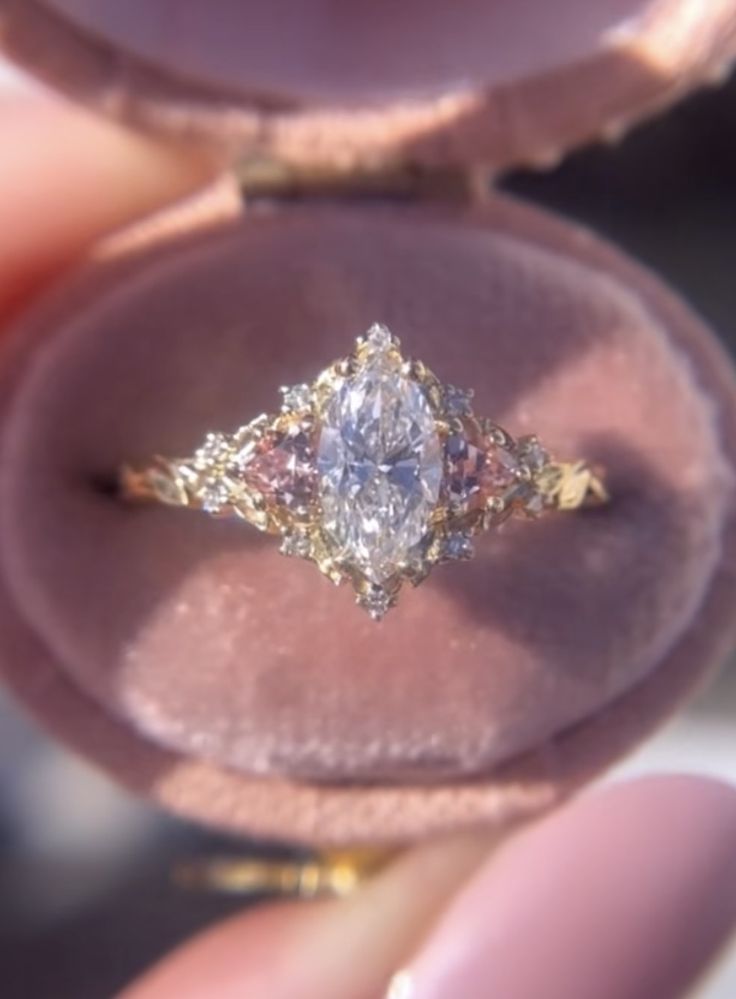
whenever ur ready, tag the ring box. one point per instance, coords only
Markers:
(187, 657)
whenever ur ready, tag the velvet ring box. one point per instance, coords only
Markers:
(185, 655)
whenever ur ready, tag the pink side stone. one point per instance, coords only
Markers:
(281, 467)
(476, 469)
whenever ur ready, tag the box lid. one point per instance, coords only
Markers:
(317, 86)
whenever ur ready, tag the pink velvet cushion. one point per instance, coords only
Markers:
(200, 636)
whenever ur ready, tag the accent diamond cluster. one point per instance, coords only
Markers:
(376, 472)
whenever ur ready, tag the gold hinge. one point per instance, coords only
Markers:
(272, 179)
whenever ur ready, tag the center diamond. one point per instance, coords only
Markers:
(379, 459)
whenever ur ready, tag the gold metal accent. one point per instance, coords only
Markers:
(573, 484)
(266, 178)
(159, 482)
(332, 873)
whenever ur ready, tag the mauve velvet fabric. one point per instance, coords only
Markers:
(197, 635)
(363, 50)
(334, 88)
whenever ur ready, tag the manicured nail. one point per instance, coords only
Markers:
(401, 986)
(625, 894)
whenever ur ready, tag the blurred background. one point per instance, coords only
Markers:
(86, 898)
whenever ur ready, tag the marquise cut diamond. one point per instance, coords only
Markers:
(379, 462)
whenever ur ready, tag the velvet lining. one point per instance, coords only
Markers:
(199, 637)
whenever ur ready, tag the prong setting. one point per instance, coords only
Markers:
(296, 398)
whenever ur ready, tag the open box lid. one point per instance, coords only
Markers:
(364, 85)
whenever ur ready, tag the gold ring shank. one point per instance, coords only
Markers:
(570, 485)
(160, 482)
(565, 485)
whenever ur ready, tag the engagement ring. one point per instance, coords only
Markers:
(376, 472)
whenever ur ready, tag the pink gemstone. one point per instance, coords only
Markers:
(499, 471)
(281, 468)
(477, 469)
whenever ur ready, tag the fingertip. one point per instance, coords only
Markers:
(626, 893)
(68, 177)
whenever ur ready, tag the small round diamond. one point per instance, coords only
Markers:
(532, 454)
(380, 337)
(457, 547)
(214, 497)
(376, 600)
(211, 464)
(457, 401)
(533, 459)
(214, 453)
(297, 398)
(296, 544)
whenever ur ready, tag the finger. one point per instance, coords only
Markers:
(625, 893)
(325, 950)
(67, 177)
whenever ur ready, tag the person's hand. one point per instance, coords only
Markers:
(68, 177)
(628, 893)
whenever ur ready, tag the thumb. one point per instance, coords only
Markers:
(68, 177)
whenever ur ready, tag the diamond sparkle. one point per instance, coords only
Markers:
(379, 461)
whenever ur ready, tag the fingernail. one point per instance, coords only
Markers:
(625, 894)
(401, 986)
